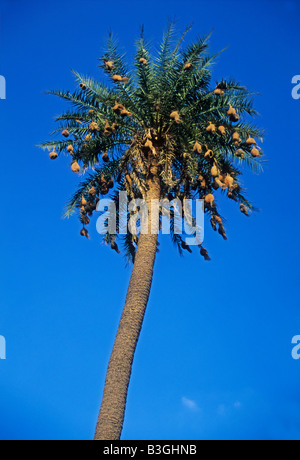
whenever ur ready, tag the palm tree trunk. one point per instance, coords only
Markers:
(111, 415)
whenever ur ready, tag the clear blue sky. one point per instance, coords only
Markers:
(214, 358)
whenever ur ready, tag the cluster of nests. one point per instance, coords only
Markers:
(225, 181)
(220, 179)
(108, 130)
(110, 67)
(237, 141)
(221, 130)
(89, 202)
(250, 142)
(216, 179)
(233, 117)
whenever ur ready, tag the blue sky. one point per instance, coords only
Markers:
(214, 357)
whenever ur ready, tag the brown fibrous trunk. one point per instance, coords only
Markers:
(111, 415)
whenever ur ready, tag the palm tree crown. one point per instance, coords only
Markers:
(161, 117)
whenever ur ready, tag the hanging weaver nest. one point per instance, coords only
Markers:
(219, 92)
(109, 65)
(94, 126)
(209, 154)
(197, 147)
(255, 152)
(215, 171)
(250, 141)
(125, 113)
(222, 130)
(65, 133)
(75, 167)
(107, 129)
(53, 155)
(211, 128)
(229, 181)
(240, 153)
(233, 116)
(117, 108)
(117, 78)
(84, 232)
(175, 116)
(202, 182)
(92, 191)
(220, 184)
(209, 200)
(236, 137)
(188, 66)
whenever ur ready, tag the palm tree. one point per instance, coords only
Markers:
(157, 131)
